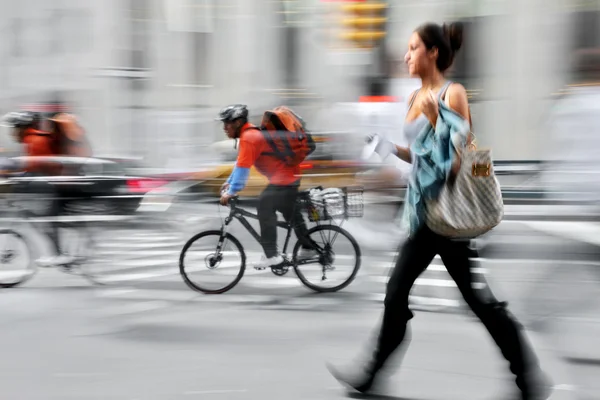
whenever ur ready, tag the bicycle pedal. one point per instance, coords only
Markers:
(260, 268)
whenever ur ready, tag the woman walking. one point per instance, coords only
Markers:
(431, 50)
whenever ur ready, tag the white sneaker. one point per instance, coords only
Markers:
(307, 254)
(265, 262)
(54, 261)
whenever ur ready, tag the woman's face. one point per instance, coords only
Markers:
(418, 58)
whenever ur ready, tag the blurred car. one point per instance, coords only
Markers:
(335, 163)
(108, 181)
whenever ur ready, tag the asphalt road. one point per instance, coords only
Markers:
(81, 341)
(58, 342)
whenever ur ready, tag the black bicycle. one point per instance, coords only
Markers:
(218, 252)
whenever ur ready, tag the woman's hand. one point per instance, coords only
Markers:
(429, 107)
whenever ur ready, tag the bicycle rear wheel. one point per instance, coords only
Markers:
(336, 264)
(14, 247)
(212, 263)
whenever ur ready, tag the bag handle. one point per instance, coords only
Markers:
(471, 138)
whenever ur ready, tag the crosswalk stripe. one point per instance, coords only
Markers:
(419, 300)
(431, 282)
(139, 276)
(142, 234)
(180, 295)
(149, 294)
(137, 263)
(266, 282)
(432, 267)
(125, 245)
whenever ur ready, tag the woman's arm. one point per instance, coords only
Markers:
(457, 100)
(403, 153)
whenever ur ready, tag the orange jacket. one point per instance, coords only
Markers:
(37, 144)
(252, 146)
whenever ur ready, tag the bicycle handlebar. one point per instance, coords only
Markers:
(232, 201)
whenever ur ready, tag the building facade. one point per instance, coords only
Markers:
(147, 75)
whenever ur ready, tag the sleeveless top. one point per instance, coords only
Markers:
(414, 127)
(411, 131)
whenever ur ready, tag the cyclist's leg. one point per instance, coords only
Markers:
(291, 212)
(53, 234)
(59, 203)
(267, 218)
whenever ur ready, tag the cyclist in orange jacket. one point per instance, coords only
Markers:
(280, 195)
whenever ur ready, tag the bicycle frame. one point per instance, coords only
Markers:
(240, 214)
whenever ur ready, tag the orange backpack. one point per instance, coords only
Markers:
(287, 136)
(72, 140)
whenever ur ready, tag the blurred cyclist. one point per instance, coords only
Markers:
(39, 143)
(71, 139)
(280, 195)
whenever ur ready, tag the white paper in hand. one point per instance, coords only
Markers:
(369, 149)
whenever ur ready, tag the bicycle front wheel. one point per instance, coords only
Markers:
(16, 261)
(336, 263)
(212, 262)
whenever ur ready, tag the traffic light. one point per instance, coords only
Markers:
(363, 23)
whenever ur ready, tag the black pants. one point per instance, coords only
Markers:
(415, 255)
(58, 197)
(283, 199)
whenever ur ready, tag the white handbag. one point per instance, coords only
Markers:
(472, 204)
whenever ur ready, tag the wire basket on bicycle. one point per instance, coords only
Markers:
(334, 203)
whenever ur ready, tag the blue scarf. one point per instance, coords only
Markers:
(432, 153)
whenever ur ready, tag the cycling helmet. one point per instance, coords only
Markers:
(233, 112)
(20, 119)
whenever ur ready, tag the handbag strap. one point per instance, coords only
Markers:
(471, 138)
(412, 99)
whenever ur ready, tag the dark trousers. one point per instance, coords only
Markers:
(283, 199)
(49, 194)
(415, 255)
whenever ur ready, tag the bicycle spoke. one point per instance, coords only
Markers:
(335, 235)
(323, 237)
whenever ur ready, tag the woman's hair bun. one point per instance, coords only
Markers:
(454, 33)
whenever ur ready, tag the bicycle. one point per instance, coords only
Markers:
(346, 205)
(79, 242)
